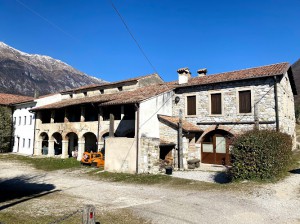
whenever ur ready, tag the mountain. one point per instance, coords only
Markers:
(296, 73)
(22, 73)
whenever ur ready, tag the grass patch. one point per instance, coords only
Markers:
(46, 164)
(171, 182)
(124, 216)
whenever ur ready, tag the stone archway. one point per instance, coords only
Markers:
(90, 142)
(57, 143)
(44, 143)
(72, 140)
(215, 147)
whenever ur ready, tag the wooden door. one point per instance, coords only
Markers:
(216, 151)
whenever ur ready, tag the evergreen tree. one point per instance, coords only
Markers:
(5, 130)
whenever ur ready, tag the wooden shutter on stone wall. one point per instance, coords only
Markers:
(191, 105)
(245, 101)
(216, 103)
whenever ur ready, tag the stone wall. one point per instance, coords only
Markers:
(262, 94)
(149, 155)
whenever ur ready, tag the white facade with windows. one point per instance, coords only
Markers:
(23, 128)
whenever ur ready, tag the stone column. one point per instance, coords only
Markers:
(80, 149)
(52, 116)
(122, 112)
(82, 114)
(50, 148)
(65, 144)
(38, 148)
(185, 148)
(66, 116)
(100, 146)
(198, 150)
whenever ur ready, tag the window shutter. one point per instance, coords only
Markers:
(216, 103)
(245, 101)
(191, 105)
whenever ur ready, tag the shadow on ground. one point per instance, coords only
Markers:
(222, 178)
(295, 171)
(22, 188)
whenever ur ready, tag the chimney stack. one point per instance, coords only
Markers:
(184, 75)
(202, 72)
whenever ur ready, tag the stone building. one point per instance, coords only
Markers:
(17, 106)
(82, 119)
(227, 104)
(134, 122)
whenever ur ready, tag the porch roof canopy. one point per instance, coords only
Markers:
(173, 121)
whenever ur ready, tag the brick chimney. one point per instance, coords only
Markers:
(184, 75)
(202, 72)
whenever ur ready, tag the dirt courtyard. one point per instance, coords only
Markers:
(43, 197)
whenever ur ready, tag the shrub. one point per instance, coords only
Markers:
(260, 154)
(5, 130)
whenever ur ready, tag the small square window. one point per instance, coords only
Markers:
(101, 91)
(71, 95)
(120, 88)
(85, 93)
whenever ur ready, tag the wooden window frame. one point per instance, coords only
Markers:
(210, 103)
(186, 105)
(238, 100)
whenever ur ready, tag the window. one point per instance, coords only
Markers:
(24, 120)
(120, 88)
(245, 101)
(23, 142)
(85, 93)
(29, 141)
(71, 95)
(191, 105)
(19, 120)
(15, 120)
(101, 91)
(216, 103)
(30, 120)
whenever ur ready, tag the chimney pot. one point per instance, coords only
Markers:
(184, 75)
(202, 72)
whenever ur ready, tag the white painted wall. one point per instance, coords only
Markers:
(48, 99)
(149, 109)
(23, 128)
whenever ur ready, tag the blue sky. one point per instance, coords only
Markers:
(218, 35)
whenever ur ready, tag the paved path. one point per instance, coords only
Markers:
(274, 203)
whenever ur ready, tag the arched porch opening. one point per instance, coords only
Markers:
(44, 141)
(57, 143)
(215, 147)
(103, 137)
(90, 142)
(72, 142)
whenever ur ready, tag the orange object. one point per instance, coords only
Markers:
(93, 159)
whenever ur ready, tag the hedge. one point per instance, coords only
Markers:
(260, 154)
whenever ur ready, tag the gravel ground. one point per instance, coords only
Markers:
(68, 191)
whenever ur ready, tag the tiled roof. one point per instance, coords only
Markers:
(250, 73)
(186, 126)
(95, 86)
(126, 97)
(163, 142)
(8, 99)
(140, 94)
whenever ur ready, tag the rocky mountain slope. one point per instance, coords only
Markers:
(22, 73)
